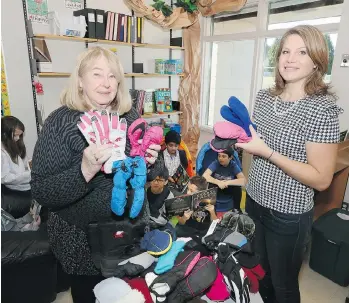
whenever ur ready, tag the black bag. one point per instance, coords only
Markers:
(330, 246)
(117, 240)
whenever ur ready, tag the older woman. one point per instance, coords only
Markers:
(66, 172)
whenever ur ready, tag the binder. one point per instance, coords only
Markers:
(133, 40)
(118, 37)
(111, 28)
(90, 17)
(125, 29)
(108, 15)
(142, 30)
(139, 30)
(129, 29)
(116, 28)
(100, 24)
(122, 28)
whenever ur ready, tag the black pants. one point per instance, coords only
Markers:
(82, 288)
(280, 240)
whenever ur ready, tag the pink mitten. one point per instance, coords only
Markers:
(218, 291)
(136, 132)
(152, 136)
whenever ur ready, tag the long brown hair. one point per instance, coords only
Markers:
(317, 50)
(14, 148)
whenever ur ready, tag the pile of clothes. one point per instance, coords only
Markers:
(217, 267)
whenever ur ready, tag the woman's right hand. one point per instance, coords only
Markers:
(93, 159)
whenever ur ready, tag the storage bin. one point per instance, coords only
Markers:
(176, 128)
(166, 130)
(160, 66)
(329, 254)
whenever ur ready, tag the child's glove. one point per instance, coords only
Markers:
(104, 128)
(117, 135)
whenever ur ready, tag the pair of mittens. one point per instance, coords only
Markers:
(142, 137)
(104, 128)
(134, 266)
(160, 286)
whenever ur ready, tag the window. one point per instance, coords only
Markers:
(271, 46)
(287, 14)
(231, 74)
(238, 48)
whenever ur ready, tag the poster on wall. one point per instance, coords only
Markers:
(37, 11)
(74, 4)
(5, 106)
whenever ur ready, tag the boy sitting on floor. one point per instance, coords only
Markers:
(157, 193)
(195, 221)
(225, 173)
(173, 157)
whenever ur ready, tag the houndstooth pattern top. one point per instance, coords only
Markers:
(286, 127)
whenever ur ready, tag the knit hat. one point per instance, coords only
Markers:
(173, 136)
(115, 290)
(140, 285)
(156, 242)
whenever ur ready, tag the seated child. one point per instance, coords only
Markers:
(199, 220)
(225, 174)
(157, 193)
(173, 157)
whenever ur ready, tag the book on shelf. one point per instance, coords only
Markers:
(123, 28)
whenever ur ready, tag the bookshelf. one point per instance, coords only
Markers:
(89, 40)
(157, 115)
(128, 75)
(30, 37)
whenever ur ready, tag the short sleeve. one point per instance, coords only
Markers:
(236, 168)
(213, 166)
(323, 125)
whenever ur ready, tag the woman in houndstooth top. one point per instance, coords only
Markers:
(294, 153)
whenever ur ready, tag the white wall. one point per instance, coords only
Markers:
(64, 55)
(15, 55)
(340, 75)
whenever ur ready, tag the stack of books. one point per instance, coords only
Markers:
(106, 25)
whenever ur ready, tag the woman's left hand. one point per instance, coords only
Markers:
(256, 146)
(152, 153)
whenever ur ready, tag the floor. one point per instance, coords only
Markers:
(314, 289)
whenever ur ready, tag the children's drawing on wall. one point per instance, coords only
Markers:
(74, 4)
(37, 11)
(5, 106)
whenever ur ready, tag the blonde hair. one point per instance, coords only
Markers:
(72, 96)
(317, 50)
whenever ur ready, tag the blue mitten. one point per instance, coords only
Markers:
(237, 113)
(230, 116)
(123, 172)
(166, 261)
(138, 181)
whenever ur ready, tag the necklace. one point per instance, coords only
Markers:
(287, 110)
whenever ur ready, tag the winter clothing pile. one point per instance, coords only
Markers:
(222, 267)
